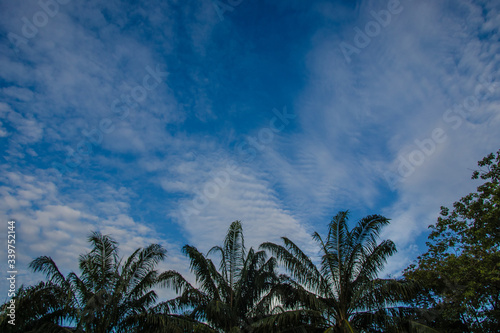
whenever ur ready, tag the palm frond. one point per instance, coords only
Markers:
(234, 251)
(47, 266)
(297, 263)
(204, 271)
(101, 262)
(370, 264)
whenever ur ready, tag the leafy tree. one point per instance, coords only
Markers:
(106, 297)
(460, 272)
(342, 292)
(236, 296)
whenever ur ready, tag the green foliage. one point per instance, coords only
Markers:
(243, 293)
(106, 297)
(343, 293)
(460, 273)
(234, 297)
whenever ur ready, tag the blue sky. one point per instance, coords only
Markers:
(167, 120)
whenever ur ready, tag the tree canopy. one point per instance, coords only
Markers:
(460, 272)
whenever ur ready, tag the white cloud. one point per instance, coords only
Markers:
(231, 192)
(57, 224)
(18, 93)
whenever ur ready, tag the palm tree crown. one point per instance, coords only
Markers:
(234, 297)
(343, 289)
(108, 296)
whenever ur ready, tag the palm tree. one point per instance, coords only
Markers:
(107, 297)
(343, 290)
(236, 296)
(38, 308)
